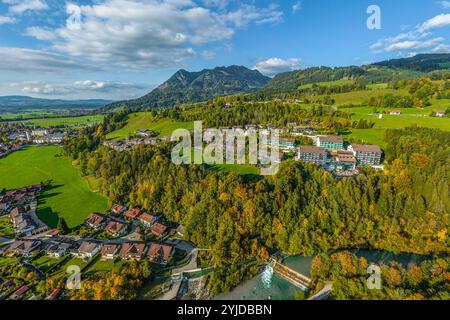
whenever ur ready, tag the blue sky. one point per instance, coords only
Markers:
(119, 49)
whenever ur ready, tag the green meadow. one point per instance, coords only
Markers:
(69, 195)
(144, 120)
(409, 117)
(358, 97)
(328, 84)
(64, 121)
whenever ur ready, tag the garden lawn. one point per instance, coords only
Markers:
(144, 120)
(6, 227)
(69, 195)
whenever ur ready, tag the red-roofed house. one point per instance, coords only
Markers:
(159, 253)
(159, 230)
(147, 219)
(132, 251)
(116, 229)
(132, 213)
(95, 221)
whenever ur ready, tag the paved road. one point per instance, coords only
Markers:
(192, 265)
(5, 240)
(322, 294)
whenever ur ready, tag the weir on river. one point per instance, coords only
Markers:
(294, 277)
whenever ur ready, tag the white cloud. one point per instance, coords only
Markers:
(86, 88)
(272, 66)
(40, 33)
(208, 55)
(151, 33)
(438, 21)
(20, 59)
(413, 45)
(417, 39)
(442, 48)
(445, 4)
(297, 7)
(5, 20)
(20, 6)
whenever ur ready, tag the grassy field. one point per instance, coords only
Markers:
(64, 121)
(45, 263)
(357, 97)
(26, 114)
(409, 117)
(328, 84)
(6, 227)
(105, 266)
(69, 195)
(238, 168)
(144, 120)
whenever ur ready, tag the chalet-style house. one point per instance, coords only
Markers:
(393, 112)
(87, 250)
(159, 230)
(110, 251)
(22, 248)
(440, 113)
(132, 213)
(118, 209)
(116, 229)
(160, 253)
(132, 251)
(57, 250)
(95, 221)
(22, 221)
(147, 219)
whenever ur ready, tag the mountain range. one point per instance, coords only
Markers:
(190, 87)
(193, 87)
(20, 103)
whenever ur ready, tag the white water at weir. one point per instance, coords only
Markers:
(267, 277)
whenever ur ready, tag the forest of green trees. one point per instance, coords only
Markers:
(302, 210)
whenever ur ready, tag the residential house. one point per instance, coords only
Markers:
(367, 154)
(57, 250)
(330, 142)
(181, 230)
(132, 213)
(146, 133)
(95, 221)
(54, 294)
(160, 253)
(22, 221)
(159, 230)
(147, 219)
(132, 251)
(39, 132)
(118, 209)
(393, 112)
(440, 113)
(22, 248)
(312, 154)
(116, 229)
(88, 250)
(110, 251)
(19, 292)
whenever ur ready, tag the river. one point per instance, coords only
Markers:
(267, 285)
